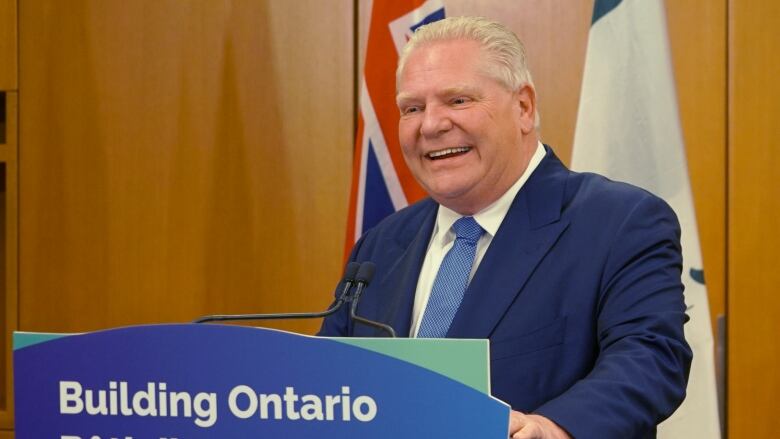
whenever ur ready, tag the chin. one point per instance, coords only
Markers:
(444, 193)
(448, 187)
(451, 199)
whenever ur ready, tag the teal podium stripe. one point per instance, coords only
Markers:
(443, 356)
(24, 339)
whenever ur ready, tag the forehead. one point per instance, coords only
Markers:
(443, 60)
(438, 50)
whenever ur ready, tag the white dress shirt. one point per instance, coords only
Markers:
(443, 238)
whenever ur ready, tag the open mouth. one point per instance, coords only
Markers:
(448, 153)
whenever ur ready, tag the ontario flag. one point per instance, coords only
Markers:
(381, 182)
(628, 128)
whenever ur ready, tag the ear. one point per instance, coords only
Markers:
(526, 101)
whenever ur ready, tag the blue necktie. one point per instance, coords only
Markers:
(451, 280)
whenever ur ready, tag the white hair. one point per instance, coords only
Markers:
(503, 48)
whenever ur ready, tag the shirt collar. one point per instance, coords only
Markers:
(491, 217)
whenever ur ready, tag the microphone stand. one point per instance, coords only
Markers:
(364, 276)
(349, 280)
(355, 274)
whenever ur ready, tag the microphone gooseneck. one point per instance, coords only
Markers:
(363, 277)
(350, 275)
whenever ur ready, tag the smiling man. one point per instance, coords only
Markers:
(466, 137)
(573, 278)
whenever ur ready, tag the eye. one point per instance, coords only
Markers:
(411, 109)
(460, 100)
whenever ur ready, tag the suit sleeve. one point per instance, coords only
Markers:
(642, 366)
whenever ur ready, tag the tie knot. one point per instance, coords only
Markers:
(468, 229)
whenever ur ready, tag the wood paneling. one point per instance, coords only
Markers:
(8, 45)
(753, 219)
(8, 204)
(8, 256)
(182, 158)
(697, 35)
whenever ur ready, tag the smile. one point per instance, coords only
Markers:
(447, 153)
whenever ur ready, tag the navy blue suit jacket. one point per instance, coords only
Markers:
(579, 294)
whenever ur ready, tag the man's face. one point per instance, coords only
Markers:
(465, 137)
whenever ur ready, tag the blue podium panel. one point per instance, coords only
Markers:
(215, 381)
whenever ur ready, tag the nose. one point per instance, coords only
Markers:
(435, 121)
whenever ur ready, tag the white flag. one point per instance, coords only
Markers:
(628, 129)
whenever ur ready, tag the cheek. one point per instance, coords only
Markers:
(408, 154)
(406, 136)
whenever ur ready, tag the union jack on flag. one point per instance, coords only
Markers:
(381, 182)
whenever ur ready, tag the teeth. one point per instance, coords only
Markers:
(448, 151)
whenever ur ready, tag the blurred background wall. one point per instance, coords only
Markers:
(165, 159)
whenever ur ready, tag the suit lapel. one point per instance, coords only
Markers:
(400, 284)
(531, 227)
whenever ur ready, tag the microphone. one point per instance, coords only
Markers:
(362, 279)
(350, 275)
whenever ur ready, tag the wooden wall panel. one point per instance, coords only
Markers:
(8, 45)
(8, 255)
(182, 158)
(753, 219)
(8, 203)
(697, 34)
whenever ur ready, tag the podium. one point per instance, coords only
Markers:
(222, 382)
